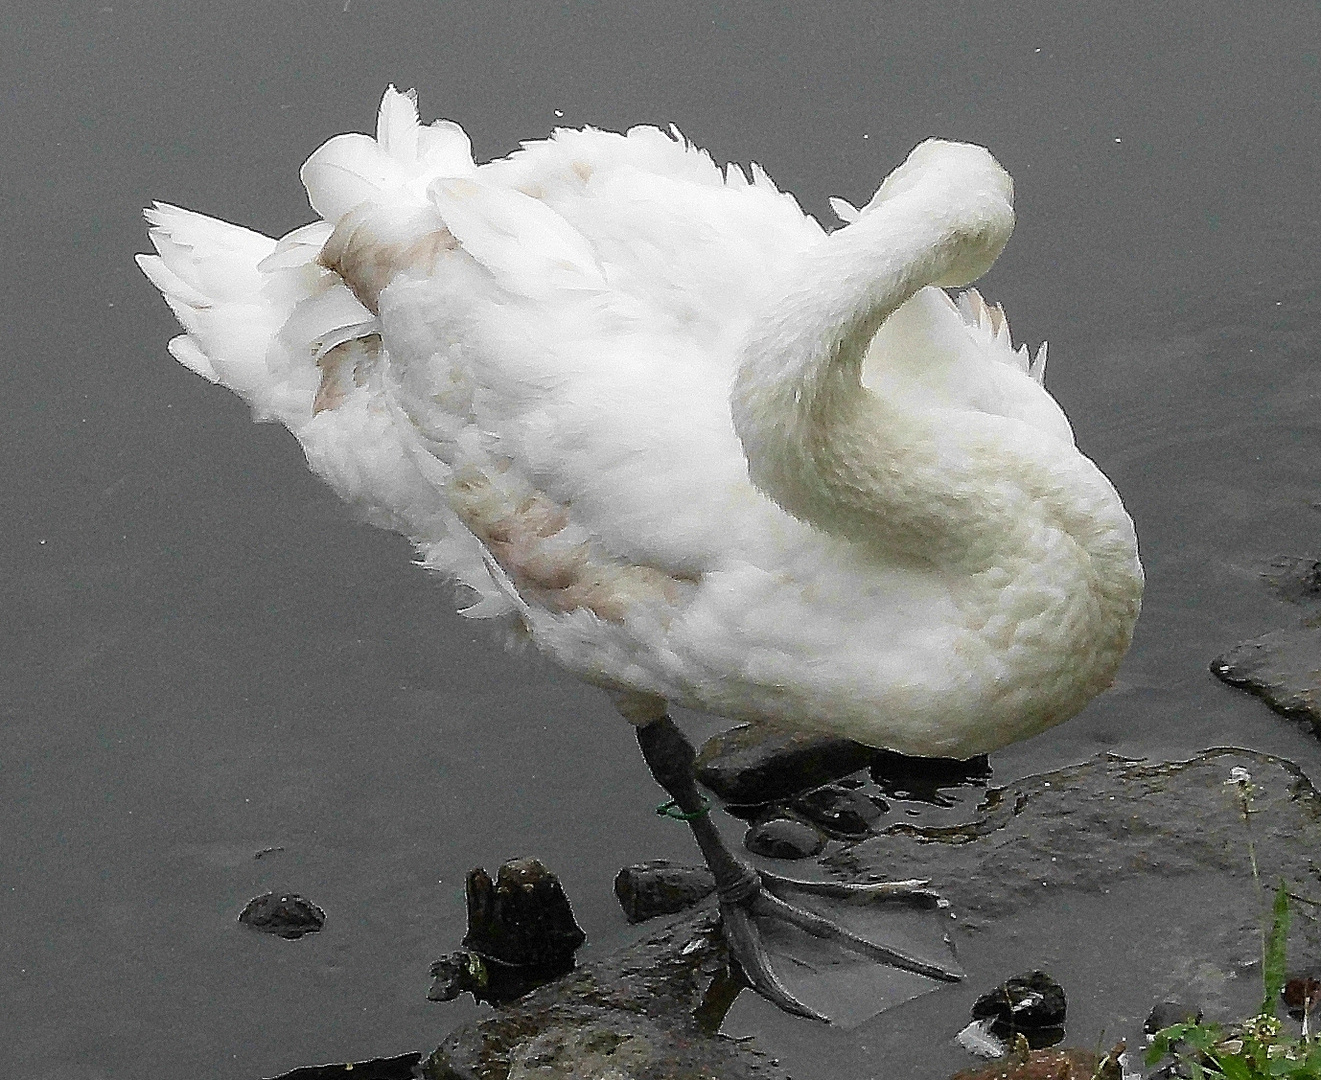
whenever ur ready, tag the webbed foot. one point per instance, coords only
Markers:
(769, 900)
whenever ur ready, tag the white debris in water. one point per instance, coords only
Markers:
(977, 1039)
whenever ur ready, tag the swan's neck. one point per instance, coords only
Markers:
(960, 491)
(830, 451)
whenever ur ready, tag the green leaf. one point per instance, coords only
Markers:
(1236, 1068)
(1273, 970)
(1163, 1040)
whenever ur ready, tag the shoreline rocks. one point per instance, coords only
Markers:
(650, 1012)
(1283, 667)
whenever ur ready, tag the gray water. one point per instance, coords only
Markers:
(204, 656)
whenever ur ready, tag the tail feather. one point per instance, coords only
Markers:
(207, 271)
(396, 165)
(273, 322)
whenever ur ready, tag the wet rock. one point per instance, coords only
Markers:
(1169, 1013)
(1088, 827)
(1283, 668)
(659, 887)
(784, 838)
(521, 935)
(840, 811)
(522, 919)
(463, 972)
(924, 779)
(648, 1012)
(1032, 1004)
(751, 765)
(401, 1067)
(285, 915)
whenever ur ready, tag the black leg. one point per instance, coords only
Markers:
(748, 895)
(671, 758)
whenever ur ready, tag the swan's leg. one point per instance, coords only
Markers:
(748, 895)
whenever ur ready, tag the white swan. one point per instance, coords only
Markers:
(702, 451)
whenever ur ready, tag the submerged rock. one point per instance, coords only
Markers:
(660, 887)
(285, 915)
(750, 765)
(840, 811)
(784, 838)
(1282, 667)
(1295, 579)
(400, 1067)
(1167, 1014)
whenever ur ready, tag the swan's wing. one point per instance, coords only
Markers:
(570, 339)
(686, 242)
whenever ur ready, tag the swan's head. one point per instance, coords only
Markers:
(983, 223)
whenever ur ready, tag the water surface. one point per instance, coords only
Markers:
(204, 656)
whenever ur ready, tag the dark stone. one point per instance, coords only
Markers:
(1028, 1003)
(648, 889)
(523, 919)
(286, 915)
(402, 1067)
(922, 779)
(1283, 668)
(839, 811)
(784, 838)
(459, 972)
(750, 764)
(1169, 1013)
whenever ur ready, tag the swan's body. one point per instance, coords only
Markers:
(527, 368)
(704, 452)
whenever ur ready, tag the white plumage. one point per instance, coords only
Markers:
(526, 367)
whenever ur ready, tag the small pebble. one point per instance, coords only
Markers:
(784, 838)
(839, 811)
(286, 915)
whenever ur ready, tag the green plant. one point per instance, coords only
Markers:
(1258, 1048)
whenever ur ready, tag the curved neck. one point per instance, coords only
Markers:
(827, 449)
